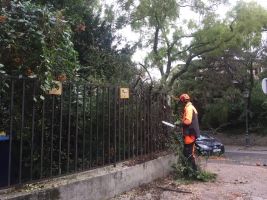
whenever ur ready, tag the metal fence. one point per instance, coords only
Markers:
(86, 127)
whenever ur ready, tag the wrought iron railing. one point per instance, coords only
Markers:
(86, 127)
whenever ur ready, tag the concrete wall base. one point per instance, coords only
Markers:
(101, 184)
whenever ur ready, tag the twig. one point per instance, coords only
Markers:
(174, 190)
(237, 182)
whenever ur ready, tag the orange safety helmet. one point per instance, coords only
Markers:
(184, 97)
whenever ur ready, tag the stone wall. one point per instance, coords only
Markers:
(239, 139)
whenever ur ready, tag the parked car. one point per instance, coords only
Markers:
(207, 145)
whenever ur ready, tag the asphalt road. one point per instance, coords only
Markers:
(246, 156)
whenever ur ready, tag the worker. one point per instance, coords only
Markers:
(190, 129)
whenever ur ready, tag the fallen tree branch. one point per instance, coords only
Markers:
(237, 182)
(174, 190)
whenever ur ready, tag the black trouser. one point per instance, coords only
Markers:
(189, 154)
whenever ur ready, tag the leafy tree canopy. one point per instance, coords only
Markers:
(36, 42)
(171, 37)
(46, 39)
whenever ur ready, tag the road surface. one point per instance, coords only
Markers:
(246, 156)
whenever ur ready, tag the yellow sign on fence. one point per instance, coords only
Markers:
(56, 91)
(124, 93)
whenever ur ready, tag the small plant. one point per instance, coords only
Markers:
(183, 170)
(205, 176)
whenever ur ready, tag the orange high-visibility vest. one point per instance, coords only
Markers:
(190, 118)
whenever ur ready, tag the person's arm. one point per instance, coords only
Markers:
(188, 118)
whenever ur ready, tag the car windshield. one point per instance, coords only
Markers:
(204, 136)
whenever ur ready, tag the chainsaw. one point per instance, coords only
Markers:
(168, 124)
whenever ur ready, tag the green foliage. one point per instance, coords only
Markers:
(216, 113)
(163, 30)
(258, 110)
(213, 97)
(36, 42)
(251, 19)
(182, 169)
(206, 176)
(226, 110)
(101, 60)
(71, 9)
